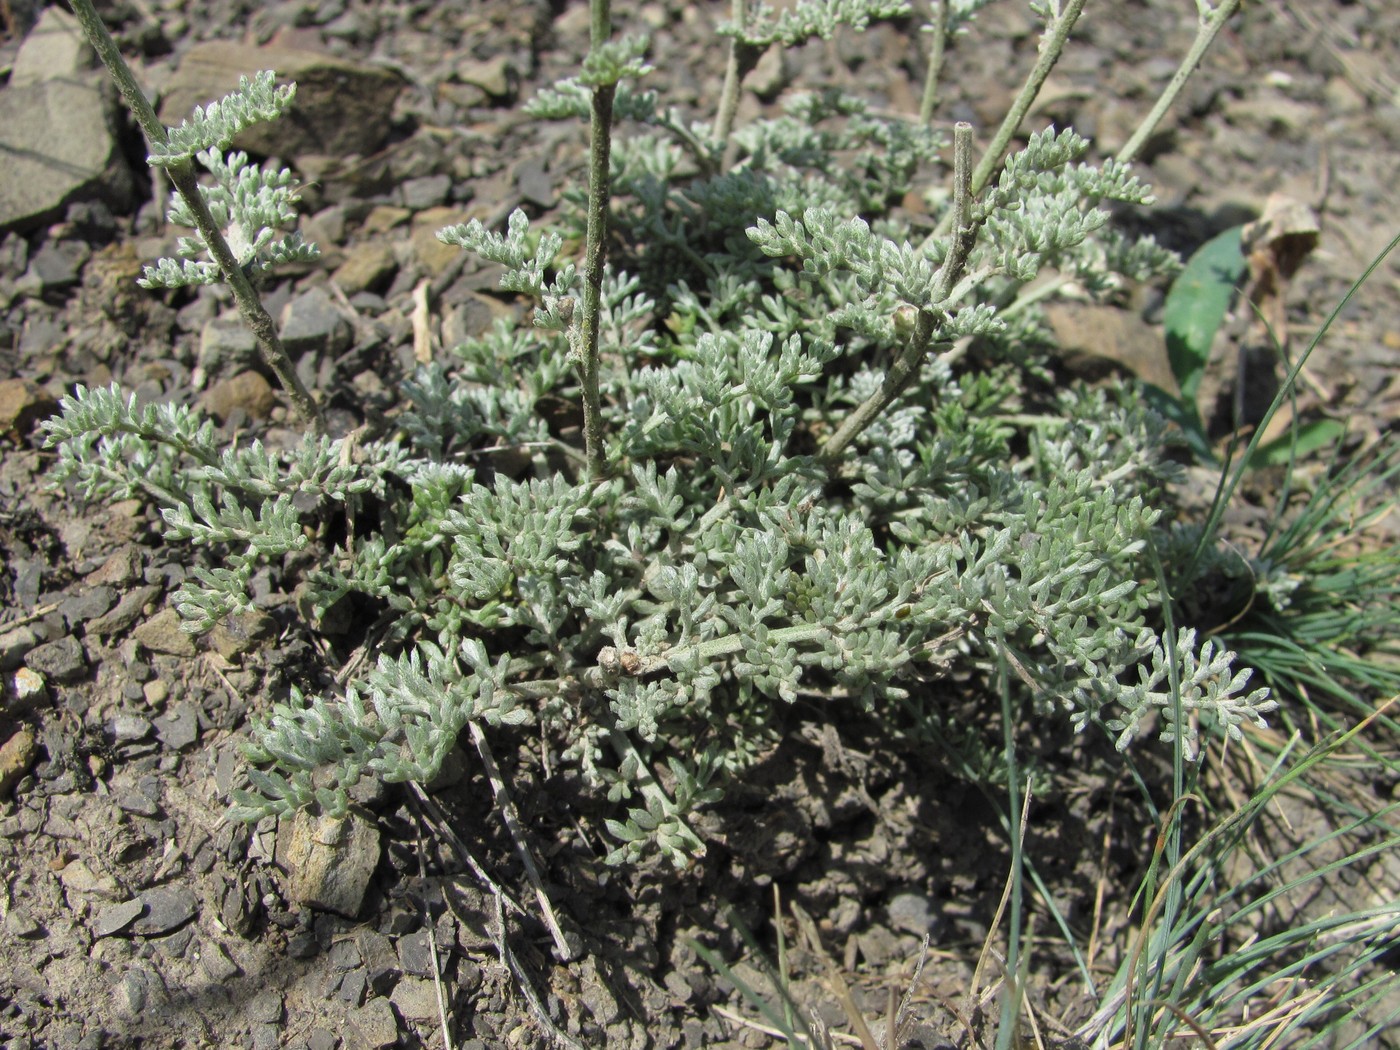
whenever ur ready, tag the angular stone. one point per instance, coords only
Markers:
(328, 861)
(57, 141)
(312, 322)
(341, 107)
(167, 909)
(61, 660)
(22, 404)
(248, 392)
(162, 634)
(127, 612)
(178, 729)
(371, 1026)
(55, 47)
(416, 999)
(369, 266)
(117, 917)
(16, 757)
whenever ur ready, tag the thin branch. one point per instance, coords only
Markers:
(906, 366)
(183, 178)
(936, 51)
(1205, 36)
(512, 821)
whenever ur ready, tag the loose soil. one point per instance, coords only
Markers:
(135, 916)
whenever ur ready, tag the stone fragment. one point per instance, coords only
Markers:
(167, 909)
(14, 644)
(416, 999)
(79, 877)
(243, 633)
(312, 322)
(369, 266)
(162, 634)
(53, 52)
(55, 267)
(88, 605)
(493, 75)
(22, 404)
(178, 729)
(328, 861)
(427, 191)
(16, 758)
(127, 728)
(117, 917)
(247, 392)
(217, 963)
(128, 610)
(371, 1026)
(61, 660)
(122, 567)
(341, 107)
(55, 47)
(227, 344)
(58, 145)
(912, 913)
(30, 689)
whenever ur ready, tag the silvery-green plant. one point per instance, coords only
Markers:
(822, 459)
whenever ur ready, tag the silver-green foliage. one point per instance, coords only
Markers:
(659, 624)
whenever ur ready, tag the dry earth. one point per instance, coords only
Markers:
(134, 916)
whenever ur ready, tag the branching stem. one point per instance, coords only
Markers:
(906, 366)
(183, 178)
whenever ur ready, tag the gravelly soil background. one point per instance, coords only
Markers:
(134, 916)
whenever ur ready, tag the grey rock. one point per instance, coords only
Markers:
(135, 802)
(368, 265)
(226, 345)
(61, 660)
(129, 609)
(416, 999)
(415, 954)
(126, 727)
(58, 145)
(117, 917)
(14, 644)
(372, 1026)
(216, 963)
(329, 861)
(313, 322)
(167, 909)
(55, 47)
(88, 605)
(56, 266)
(248, 393)
(266, 1007)
(912, 913)
(320, 1039)
(426, 192)
(162, 634)
(341, 107)
(178, 729)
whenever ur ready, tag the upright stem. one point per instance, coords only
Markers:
(596, 251)
(743, 57)
(906, 366)
(936, 51)
(1205, 36)
(186, 183)
(1052, 44)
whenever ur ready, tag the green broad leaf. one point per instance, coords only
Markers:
(1308, 438)
(1196, 307)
